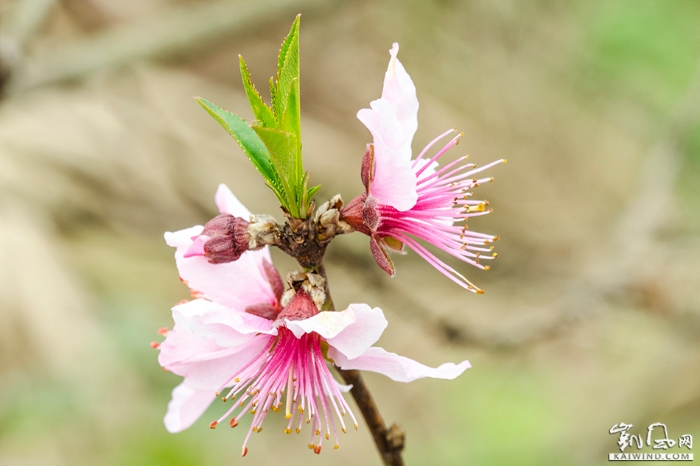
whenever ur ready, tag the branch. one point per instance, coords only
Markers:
(389, 442)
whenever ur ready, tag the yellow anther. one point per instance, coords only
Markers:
(252, 411)
(236, 380)
(311, 446)
(298, 430)
(217, 393)
(479, 291)
(505, 160)
(328, 435)
(224, 399)
(487, 267)
(355, 426)
(301, 410)
(335, 447)
(344, 431)
(318, 432)
(495, 254)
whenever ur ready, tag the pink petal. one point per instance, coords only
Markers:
(400, 91)
(393, 121)
(356, 338)
(181, 345)
(398, 368)
(182, 238)
(394, 181)
(237, 284)
(197, 247)
(209, 370)
(186, 406)
(226, 326)
(229, 204)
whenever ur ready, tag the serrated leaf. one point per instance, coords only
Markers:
(273, 93)
(292, 115)
(284, 48)
(251, 144)
(282, 147)
(287, 71)
(262, 112)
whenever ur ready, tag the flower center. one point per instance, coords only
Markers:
(295, 365)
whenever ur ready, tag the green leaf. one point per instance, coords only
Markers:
(273, 93)
(292, 115)
(250, 142)
(282, 147)
(262, 112)
(293, 32)
(311, 193)
(287, 70)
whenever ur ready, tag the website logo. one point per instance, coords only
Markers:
(657, 437)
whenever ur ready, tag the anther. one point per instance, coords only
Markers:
(479, 291)
(318, 432)
(233, 422)
(163, 331)
(298, 430)
(252, 411)
(344, 431)
(487, 268)
(259, 430)
(311, 446)
(213, 424)
(245, 451)
(317, 449)
(328, 436)
(495, 254)
(155, 344)
(355, 426)
(223, 398)
(287, 431)
(335, 447)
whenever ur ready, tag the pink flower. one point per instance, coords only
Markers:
(409, 199)
(237, 342)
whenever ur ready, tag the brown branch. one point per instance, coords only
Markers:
(389, 442)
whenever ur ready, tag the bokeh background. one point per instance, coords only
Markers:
(591, 315)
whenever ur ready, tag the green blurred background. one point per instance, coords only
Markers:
(591, 315)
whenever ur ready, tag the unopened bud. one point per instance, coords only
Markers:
(228, 238)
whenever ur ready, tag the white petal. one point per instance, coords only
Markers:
(229, 204)
(357, 337)
(186, 406)
(397, 367)
(327, 324)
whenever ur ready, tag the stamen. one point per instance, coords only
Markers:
(288, 408)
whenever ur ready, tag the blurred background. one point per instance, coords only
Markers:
(591, 315)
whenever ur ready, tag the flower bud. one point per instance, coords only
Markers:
(228, 238)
